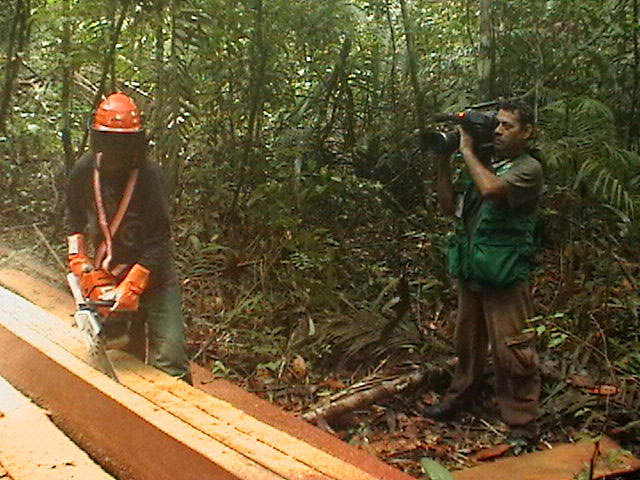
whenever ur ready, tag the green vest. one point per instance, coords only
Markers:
(498, 248)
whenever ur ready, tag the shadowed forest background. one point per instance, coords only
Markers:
(306, 228)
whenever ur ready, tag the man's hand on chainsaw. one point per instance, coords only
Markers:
(126, 295)
(77, 258)
(80, 264)
(124, 299)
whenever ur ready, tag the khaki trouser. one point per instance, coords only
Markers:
(497, 317)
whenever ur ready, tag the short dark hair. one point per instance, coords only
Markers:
(523, 109)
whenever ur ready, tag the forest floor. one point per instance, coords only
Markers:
(393, 429)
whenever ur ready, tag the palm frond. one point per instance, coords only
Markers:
(358, 336)
(581, 145)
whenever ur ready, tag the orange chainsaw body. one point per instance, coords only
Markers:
(96, 283)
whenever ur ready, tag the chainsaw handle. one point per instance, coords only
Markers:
(74, 285)
(99, 303)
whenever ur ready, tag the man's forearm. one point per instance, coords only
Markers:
(487, 182)
(445, 191)
(74, 221)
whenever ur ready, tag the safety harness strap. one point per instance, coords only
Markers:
(105, 250)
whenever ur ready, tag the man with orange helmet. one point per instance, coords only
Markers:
(115, 196)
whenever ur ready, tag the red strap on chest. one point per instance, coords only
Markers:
(104, 253)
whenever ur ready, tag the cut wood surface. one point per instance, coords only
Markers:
(32, 447)
(257, 440)
(60, 304)
(563, 462)
(130, 436)
(176, 423)
(49, 297)
(276, 417)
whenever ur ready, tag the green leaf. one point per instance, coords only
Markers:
(273, 366)
(434, 471)
(557, 338)
(195, 242)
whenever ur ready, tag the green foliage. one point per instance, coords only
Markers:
(550, 329)
(580, 141)
(288, 135)
(434, 471)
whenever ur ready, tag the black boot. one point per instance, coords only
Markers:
(442, 411)
(523, 435)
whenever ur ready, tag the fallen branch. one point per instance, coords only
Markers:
(365, 393)
(50, 248)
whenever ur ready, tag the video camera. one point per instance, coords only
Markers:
(480, 125)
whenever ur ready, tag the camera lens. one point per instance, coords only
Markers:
(442, 143)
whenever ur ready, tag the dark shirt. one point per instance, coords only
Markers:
(144, 235)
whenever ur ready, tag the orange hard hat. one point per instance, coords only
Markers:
(117, 113)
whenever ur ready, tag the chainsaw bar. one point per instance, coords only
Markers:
(88, 321)
(93, 336)
(99, 360)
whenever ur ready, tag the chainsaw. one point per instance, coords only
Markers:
(91, 317)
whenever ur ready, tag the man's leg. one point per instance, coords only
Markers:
(167, 342)
(517, 377)
(137, 345)
(471, 344)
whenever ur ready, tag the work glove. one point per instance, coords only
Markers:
(77, 258)
(126, 295)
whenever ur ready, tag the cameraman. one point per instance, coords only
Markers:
(491, 256)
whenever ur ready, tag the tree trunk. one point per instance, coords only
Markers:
(169, 145)
(323, 91)
(412, 53)
(107, 62)
(257, 85)
(394, 52)
(15, 46)
(320, 99)
(632, 138)
(65, 102)
(157, 114)
(256, 89)
(349, 114)
(333, 86)
(486, 54)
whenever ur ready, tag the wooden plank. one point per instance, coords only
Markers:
(32, 447)
(327, 453)
(47, 343)
(259, 441)
(130, 436)
(564, 462)
(60, 304)
(270, 414)
(49, 297)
